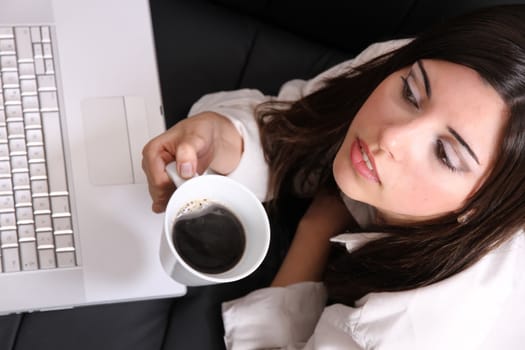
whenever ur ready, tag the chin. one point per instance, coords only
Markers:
(406, 219)
(341, 179)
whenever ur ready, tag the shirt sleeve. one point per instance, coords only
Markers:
(465, 311)
(239, 106)
(277, 317)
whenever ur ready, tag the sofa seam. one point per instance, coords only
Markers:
(404, 18)
(249, 55)
(14, 339)
(167, 327)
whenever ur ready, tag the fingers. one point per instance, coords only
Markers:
(187, 148)
(154, 159)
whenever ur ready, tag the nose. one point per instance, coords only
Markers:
(402, 139)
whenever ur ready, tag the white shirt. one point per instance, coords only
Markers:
(482, 307)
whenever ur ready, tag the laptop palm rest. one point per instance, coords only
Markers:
(115, 129)
(20, 292)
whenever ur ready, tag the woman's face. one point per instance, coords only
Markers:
(422, 142)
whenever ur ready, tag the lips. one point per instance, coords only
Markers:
(363, 161)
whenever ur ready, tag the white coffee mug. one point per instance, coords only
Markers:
(235, 197)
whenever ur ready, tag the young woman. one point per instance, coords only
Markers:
(416, 149)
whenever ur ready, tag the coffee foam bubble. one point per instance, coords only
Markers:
(193, 206)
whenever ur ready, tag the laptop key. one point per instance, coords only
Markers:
(54, 153)
(8, 220)
(35, 35)
(9, 239)
(5, 186)
(66, 259)
(26, 230)
(60, 204)
(35, 217)
(8, 63)
(45, 34)
(39, 65)
(6, 32)
(46, 82)
(26, 70)
(62, 223)
(23, 44)
(7, 204)
(47, 51)
(20, 181)
(46, 257)
(28, 256)
(11, 259)
(7, 46)
(45, 240)
(48, 100)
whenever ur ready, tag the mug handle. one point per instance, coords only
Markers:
(171, 169)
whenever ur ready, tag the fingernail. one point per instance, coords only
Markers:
(185, 170)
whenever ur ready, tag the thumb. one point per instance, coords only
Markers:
(186, 157)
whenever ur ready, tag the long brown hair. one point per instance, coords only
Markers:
(301, 138)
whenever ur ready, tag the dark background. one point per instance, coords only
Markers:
(210, 45)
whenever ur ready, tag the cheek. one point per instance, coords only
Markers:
(427, 198)
(417, 203)
(341, 167)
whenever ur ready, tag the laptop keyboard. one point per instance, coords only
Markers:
(35, 215)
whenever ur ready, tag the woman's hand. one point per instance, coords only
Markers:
(204, 140)
(326, 217)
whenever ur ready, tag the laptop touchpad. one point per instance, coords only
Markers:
(107, 141)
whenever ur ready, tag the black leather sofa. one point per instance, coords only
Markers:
(210, 45)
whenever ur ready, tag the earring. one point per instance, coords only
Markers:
(463, 218)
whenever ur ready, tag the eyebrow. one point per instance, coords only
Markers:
(463, 143)
(428, 90)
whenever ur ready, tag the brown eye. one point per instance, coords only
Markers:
(408, 95)
(441, 155)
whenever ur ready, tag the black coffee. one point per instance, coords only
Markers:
(210, 240)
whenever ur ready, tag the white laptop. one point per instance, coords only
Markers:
(76, 226)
